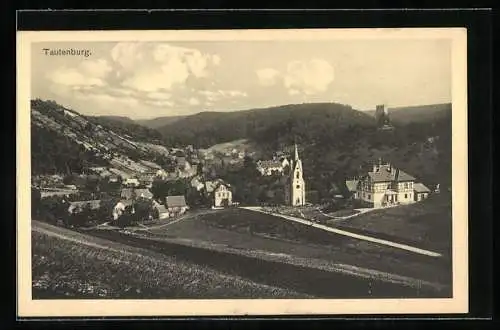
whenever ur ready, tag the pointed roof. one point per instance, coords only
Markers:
(296, 152)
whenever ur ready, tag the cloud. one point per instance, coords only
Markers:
(212, 96)
(87, 73)
(159, 95)
(309, 77)
(160, 103)
(152, 67)
(194, 101)
(232, 93)
(150, 73)
(268, 76)
(216, 59)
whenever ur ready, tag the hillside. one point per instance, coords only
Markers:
(63, 141)
(126, 126)
(289, 121)
(159, 121)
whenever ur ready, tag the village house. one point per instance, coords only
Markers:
(162, 174)
(131, 193)
(131, 182)
(386, 185)
(223, 196)
(268, 167)
(120, 207)
(176, 205)
(146, 180)
(161, 209)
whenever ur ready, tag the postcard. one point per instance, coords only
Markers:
(242, 172)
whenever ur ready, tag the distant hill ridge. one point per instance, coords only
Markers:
(207, 128)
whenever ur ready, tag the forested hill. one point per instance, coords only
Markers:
(280, 124)
(159, 121)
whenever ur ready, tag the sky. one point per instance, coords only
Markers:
(155, 79)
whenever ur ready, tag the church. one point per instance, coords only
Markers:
(295, 188)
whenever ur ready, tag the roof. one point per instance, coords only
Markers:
(126, 202)
(351, 185)
(222, 184)
(161, 208)
(127, 193)
(387, 174)
(270, 164)
(176, 201)
(144, 193)
(420, 188)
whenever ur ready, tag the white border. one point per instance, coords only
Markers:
(116, 308)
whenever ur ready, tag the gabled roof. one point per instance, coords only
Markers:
(176, 201)
(420, 188)
(388, 174)
(270, 163)
(352, 185)
(161, 208)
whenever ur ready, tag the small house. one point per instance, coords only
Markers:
(421, 191)
(120, 207)
(161, 209)
(268, 167)
(131, 182)
(176, 205)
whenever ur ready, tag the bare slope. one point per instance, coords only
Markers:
(67, 264)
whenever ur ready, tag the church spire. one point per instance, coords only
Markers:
(296, 152)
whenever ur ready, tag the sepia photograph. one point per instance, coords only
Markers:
(239, 172)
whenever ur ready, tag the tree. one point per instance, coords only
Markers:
(143, 209)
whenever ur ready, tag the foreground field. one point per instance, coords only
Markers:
(67, 264)
(426, 224)
(267, 237)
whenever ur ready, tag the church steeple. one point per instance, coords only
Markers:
(296, 156)
(295, 192)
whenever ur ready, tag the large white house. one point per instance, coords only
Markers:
(386, 185)
(223, 196)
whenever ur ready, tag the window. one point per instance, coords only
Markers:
(406, 195)
(298, 187)
(369, 196)
(297, 175)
